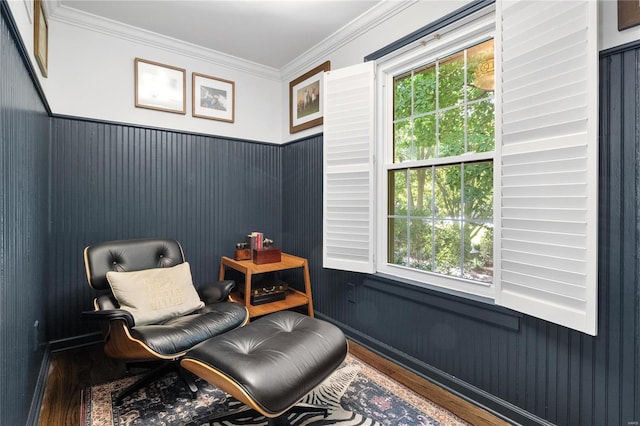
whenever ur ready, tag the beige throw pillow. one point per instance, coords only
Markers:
(155, 295)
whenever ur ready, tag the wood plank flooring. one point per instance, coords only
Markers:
(70, 372)
(76, 369)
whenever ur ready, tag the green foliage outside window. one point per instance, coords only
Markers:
(441, 216)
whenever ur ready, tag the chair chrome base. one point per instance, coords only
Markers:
(155, 374)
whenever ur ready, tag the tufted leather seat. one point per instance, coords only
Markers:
(168, 340)
(177, 335)
(272, 363)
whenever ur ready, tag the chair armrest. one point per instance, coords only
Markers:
(215, 292)
(111, 315)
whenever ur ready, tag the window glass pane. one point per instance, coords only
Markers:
(447, 247)
(443, 215)
(398, 193)
(478, 191)
(425, 137)
(424, 88)
(398, 241)
(420, 243)
(480, 71)
(478, 256)
(447, 192)
(451, 80)
(402, 141)
(421, 193)
(451, 129)
(402, 96)
(481, 125)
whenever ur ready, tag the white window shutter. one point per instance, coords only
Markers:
(348, 201)
(548, 171)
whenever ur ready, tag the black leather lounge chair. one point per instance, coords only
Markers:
(165, 315)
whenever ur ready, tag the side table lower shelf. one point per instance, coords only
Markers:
(294, 299)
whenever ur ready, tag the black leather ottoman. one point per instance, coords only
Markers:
(271, 363)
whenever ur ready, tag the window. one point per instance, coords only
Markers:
(440, 207)
(436, 150)
(531, 243)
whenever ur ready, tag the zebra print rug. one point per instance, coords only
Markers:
(355, 393)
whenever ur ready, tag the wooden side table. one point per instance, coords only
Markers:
(248, 268)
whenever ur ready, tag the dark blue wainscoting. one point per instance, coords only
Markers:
(113, 181)
(24, 259)
(521, 367)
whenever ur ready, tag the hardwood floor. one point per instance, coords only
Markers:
(69, 373)
(76, 369)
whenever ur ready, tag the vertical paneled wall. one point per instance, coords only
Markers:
(112, 181)
(302, 227)
(24, 172)
(517, 365)
(617, 347)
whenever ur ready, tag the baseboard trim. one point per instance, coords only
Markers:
(494, 405)
(38, 392)
(43, 374)
(75, 342)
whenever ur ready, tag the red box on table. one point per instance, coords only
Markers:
(266, 255)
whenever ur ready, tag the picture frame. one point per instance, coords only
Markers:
(160, 87)
(213, 98)
(41, 37)
(305, 99)
(628, 14)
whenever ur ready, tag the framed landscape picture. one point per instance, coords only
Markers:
(160, 87)
(305, 99)
(213, 98)
(41, 38)
(628, 14)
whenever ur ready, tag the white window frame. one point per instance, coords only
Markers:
(456, 38)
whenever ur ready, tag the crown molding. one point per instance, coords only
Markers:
(70, 16)
(367, 21)
(370, 19)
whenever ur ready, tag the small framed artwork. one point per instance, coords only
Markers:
(628, 14)
(213, 98)
(41, 37)
(160, 87)
(305, 99)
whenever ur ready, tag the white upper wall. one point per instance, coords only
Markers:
(91, 71)
(91, 75)
(22, 11)
(377, 36)
(608, 34)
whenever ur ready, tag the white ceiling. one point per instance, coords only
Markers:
(271, 33)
